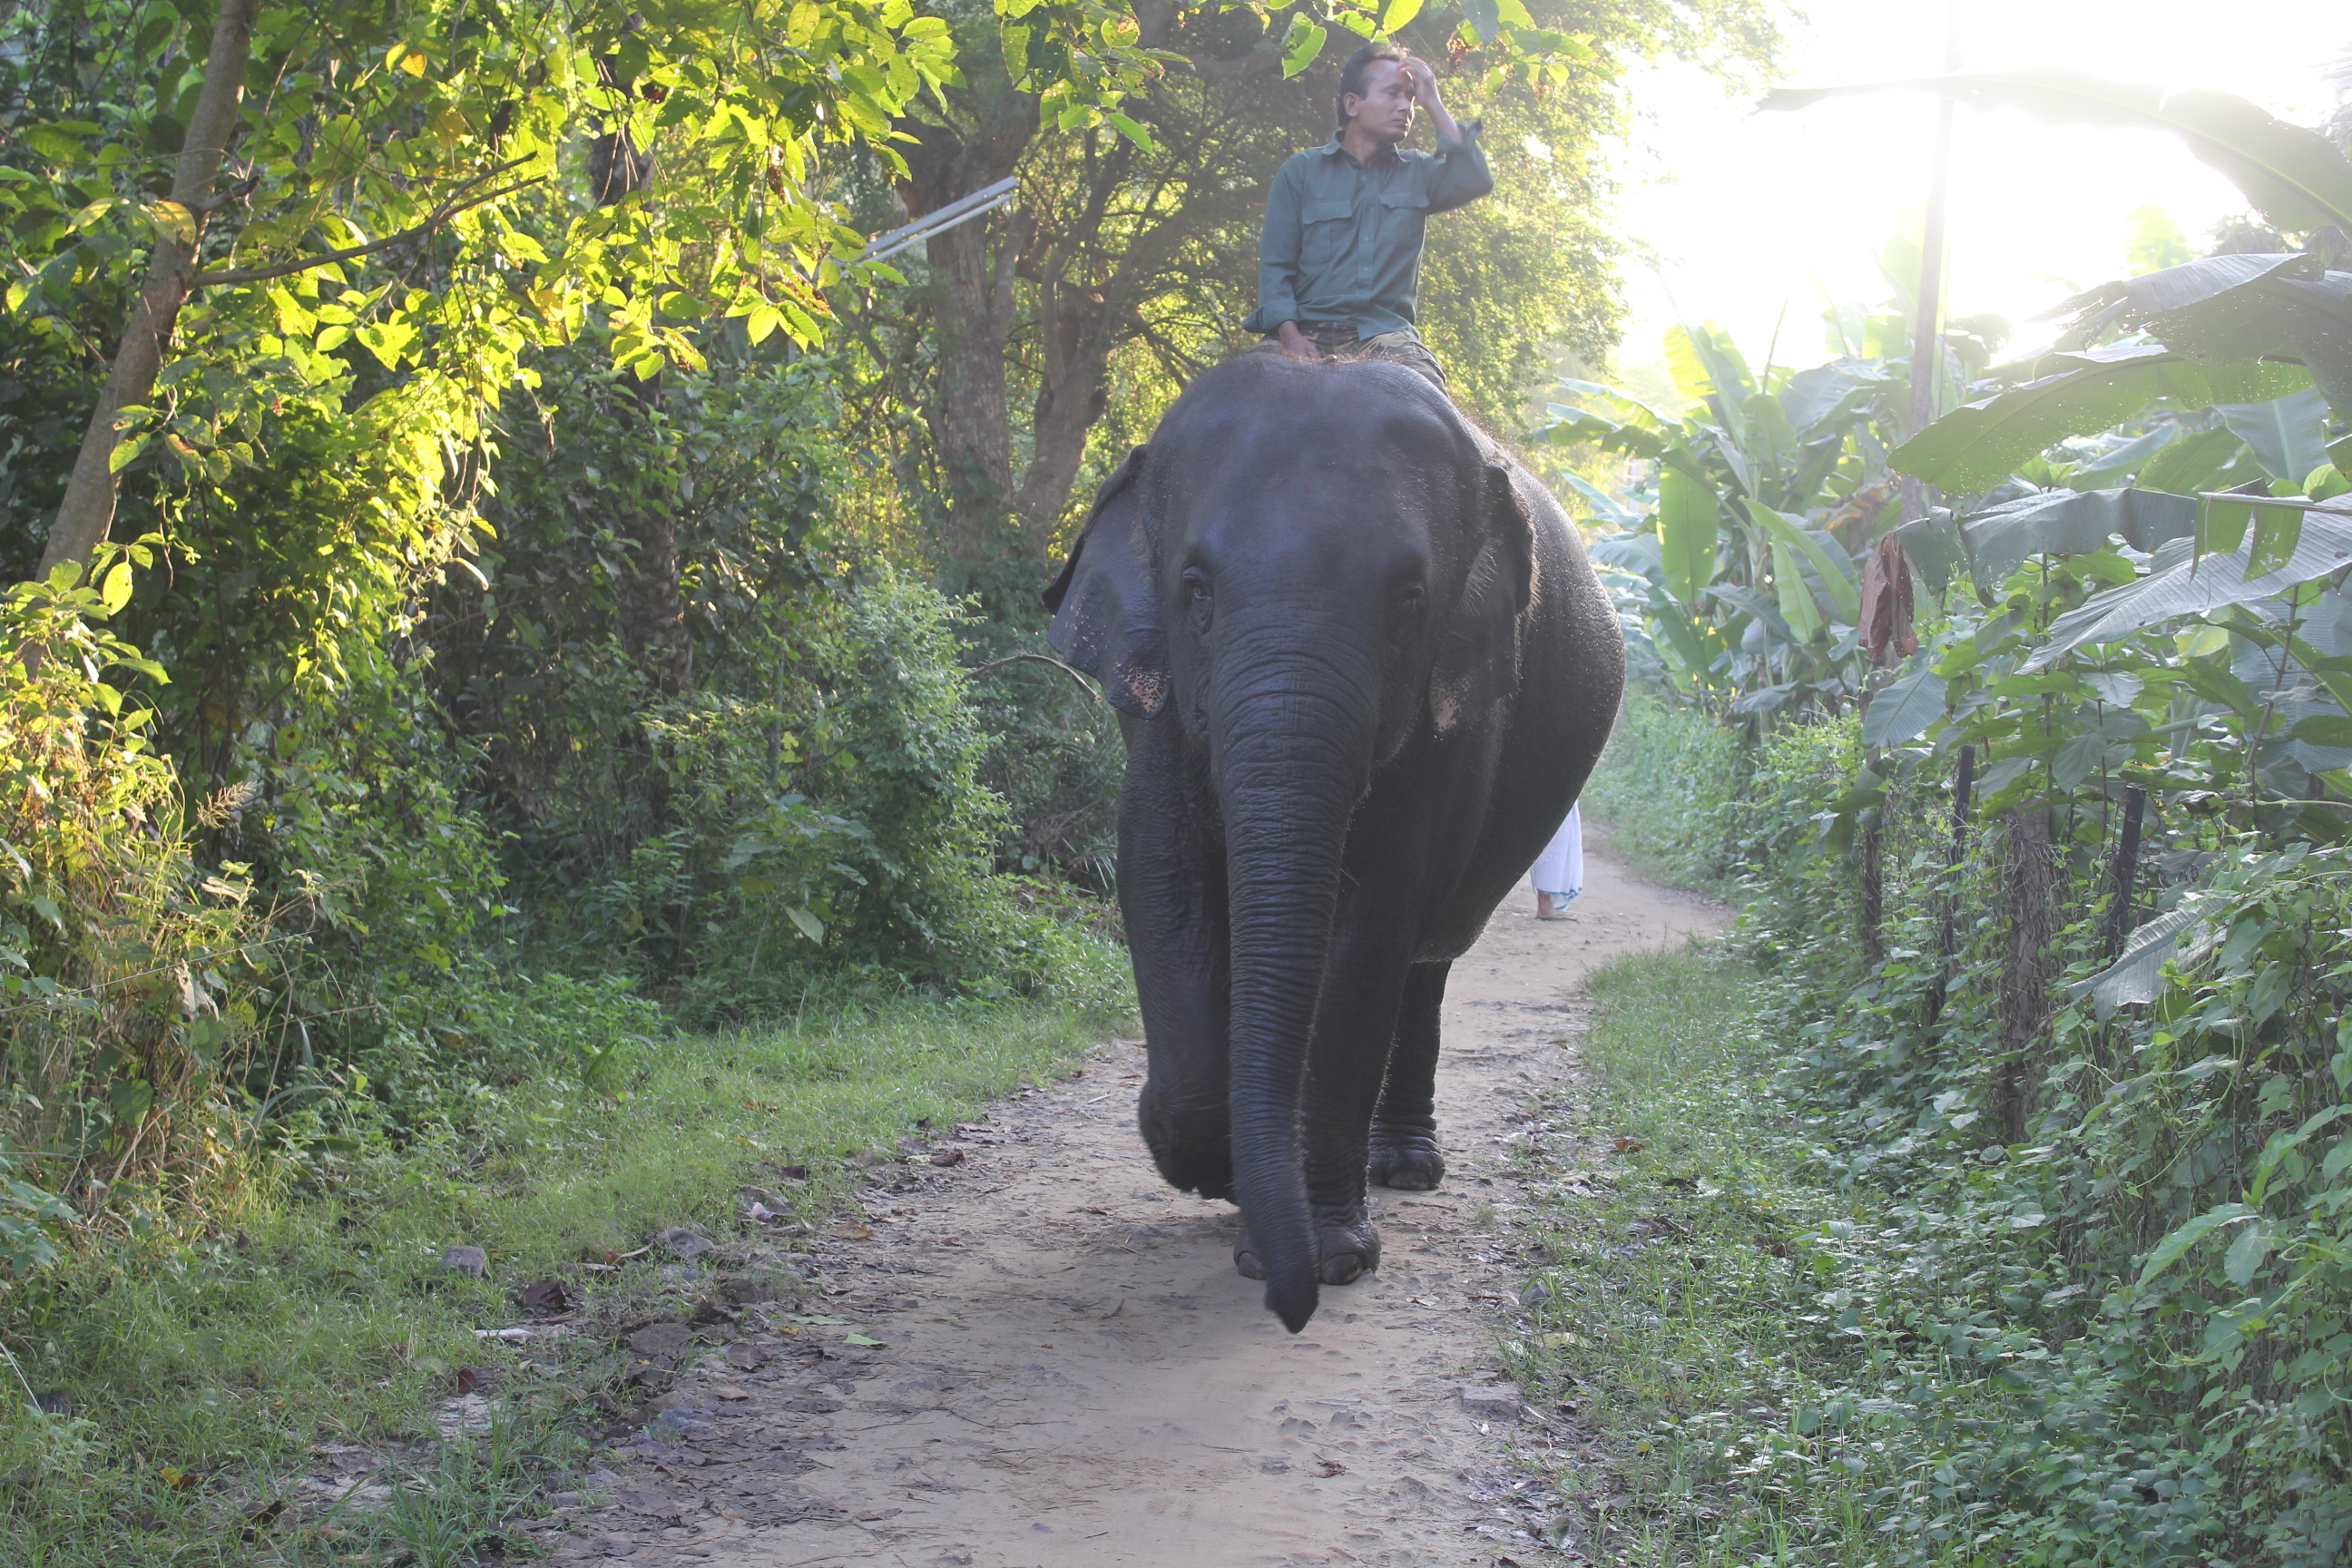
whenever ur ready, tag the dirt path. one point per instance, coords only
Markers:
(1070, 1373)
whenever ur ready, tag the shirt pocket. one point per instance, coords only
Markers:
(1402, 213)
(1323, 231)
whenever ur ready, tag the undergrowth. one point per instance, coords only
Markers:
(1873, 1277)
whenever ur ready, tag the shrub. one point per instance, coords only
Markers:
(128, 985)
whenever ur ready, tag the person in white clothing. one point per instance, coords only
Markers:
(1558, 872)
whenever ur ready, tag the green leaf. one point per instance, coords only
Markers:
(2183, 1237)
(806, 923)
(1689, 527)
(1303, 44)
(861, 1342)
(1398, 13)
(1130, 129)
(1903, 709)
(1978, 444)
(2295, 177)
(2197, 586)
(2245, 1255)
(1830, 563)
(386, 341)
(2288, 436)
(2331, 729)
(2278, 530)
(2138, 973)
(2071, 522)
(1797, 604)
(2192, 463)
(114, 589)
(1484, 16)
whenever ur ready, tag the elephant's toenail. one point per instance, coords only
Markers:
(1342, 1268)
(1246, 1265)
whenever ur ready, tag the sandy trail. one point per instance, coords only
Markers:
(1071, 1373)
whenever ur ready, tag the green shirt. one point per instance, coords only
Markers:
(1342, 239)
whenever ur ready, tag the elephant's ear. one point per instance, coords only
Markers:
(1105, 610)
(1478, 647)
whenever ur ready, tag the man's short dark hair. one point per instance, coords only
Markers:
(1351, 75)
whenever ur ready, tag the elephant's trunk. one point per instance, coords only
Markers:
(1293, 759)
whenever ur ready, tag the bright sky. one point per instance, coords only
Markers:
(1744, 212)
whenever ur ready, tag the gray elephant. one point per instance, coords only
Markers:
(1362, 667)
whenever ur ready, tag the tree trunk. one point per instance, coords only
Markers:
(2029, 883)
(650, 601)
(971, 309)
(88, 511)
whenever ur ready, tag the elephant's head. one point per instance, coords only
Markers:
(1310, 568)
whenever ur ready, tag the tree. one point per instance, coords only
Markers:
(396, 155)
(1140, 239)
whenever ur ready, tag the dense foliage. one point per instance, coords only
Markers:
(2051, 915)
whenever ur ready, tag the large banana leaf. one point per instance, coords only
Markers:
(2071, 522)
(1905, 709)
(1626, 409)
(2295, 177)
(1978, 444)
(2225, 308)
(1798, 605)
(2288, 436)
(1933, 546)
(1688, 529)
(1828, 558)
(2117, 466)
(1571, 426)
(1606, 508)
(2192, 463)
(2278, 316)
(2201, 585)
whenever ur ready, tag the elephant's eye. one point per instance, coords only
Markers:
(1409, 601)
(1196, 585)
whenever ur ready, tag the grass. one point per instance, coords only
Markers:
(1684, 1329)
(1662, 793)
(201, 1366)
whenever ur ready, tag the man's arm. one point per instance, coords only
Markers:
(1462, 175)
(1278, 261)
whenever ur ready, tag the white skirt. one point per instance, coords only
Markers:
(1560, 869)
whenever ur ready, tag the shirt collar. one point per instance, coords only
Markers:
(1332, 149)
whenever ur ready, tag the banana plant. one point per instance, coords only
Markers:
(1735, 554)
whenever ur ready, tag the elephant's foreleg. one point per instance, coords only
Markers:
(1404, 1152)
(1171, 896)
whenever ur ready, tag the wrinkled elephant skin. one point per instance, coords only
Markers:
(1362, 667)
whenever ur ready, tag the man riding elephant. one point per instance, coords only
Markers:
(1339, 259)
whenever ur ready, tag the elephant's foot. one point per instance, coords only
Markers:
(1347, 1249)
(1406, 1158)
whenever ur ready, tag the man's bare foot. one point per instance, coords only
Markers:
(1295, 343)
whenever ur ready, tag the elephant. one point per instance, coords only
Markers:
(1362, 667)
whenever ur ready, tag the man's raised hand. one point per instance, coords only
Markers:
(1423, 82)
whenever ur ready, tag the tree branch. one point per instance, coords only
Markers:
(440, 215)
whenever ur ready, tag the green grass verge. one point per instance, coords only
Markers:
(1662, 791)
(1684, 1332)
(202, 1363)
